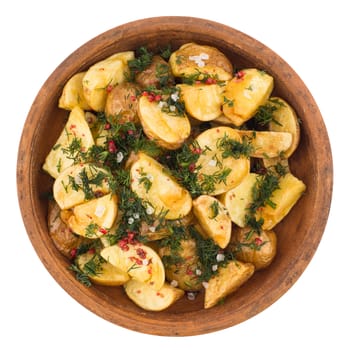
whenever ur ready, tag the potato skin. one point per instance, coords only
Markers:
(63, 238)
(260, 250)
(122, 102)
(184, 271)
(157, 74)
(217, 64)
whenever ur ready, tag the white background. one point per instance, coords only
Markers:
(35, 313)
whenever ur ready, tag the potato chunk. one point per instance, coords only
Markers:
(76, 136)
(93, 218)
(267, 144)
(104, 75)
(80, 183)
(149, 299)
(227, 281)
(151, 182)
(245, 93)
(63, 238)
(285, 120)
(167, 130)
(213, 218)
(102, 272)
(258, 249)
(181, 265)
(139, 261)
(73, 94)
(122, 103)
(202, 102)
(285, 197)
(192, 58)
(157, 74)
(218, 174)
(238, 199)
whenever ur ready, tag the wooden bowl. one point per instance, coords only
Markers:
(299, 234)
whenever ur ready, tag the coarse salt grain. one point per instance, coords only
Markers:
(214, 267)
(220, 257)
(136, 216)
(191, 296)
(175, 96)
(204, 56)
(198, 272)
(145, 262)
(100, 209)
(172, 108)
(120, 157)
(174, 283)
(152, 229)
(212, 162)
(131, 221)
(149, 210)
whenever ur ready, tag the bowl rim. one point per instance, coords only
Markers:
(176, 325)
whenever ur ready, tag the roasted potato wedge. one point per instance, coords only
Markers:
(151, 182)
(267, 144)
(238, 199)
(167, 130)
(285, 120)
(76, 132)
(182, 265)
(285, 197)
(101, 271)
(157, 74)
(202, 102)
(214, 219)
(63, 238)
(149, 299)
(103, 76)
(73, 94)
(122, 103)
(249, 89)
(191, 59)
(141, 262)
(79, 183)
(216, 173)
(93, 218)
(252, 247)
(227, 281)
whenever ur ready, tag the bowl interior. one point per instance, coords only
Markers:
(298, 235)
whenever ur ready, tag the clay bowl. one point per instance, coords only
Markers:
(299, 234)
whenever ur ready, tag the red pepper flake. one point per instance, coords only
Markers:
(258, 241)
(149, 271)
(157, 98)
(159, 294)
(73, 126)
(192, 167)
(109, 88)
(107, 126)
(130, 132)
(151, 97)
(189, 272)
(112, 148)
(133, 98)
(92, 251)
(141, 253)
(197, 150)
(103, 230)
(210, 81)
(73, 253)
(222, 227)
(145, 93)
(240, 75)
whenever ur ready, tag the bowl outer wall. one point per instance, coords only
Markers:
(298, 235)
